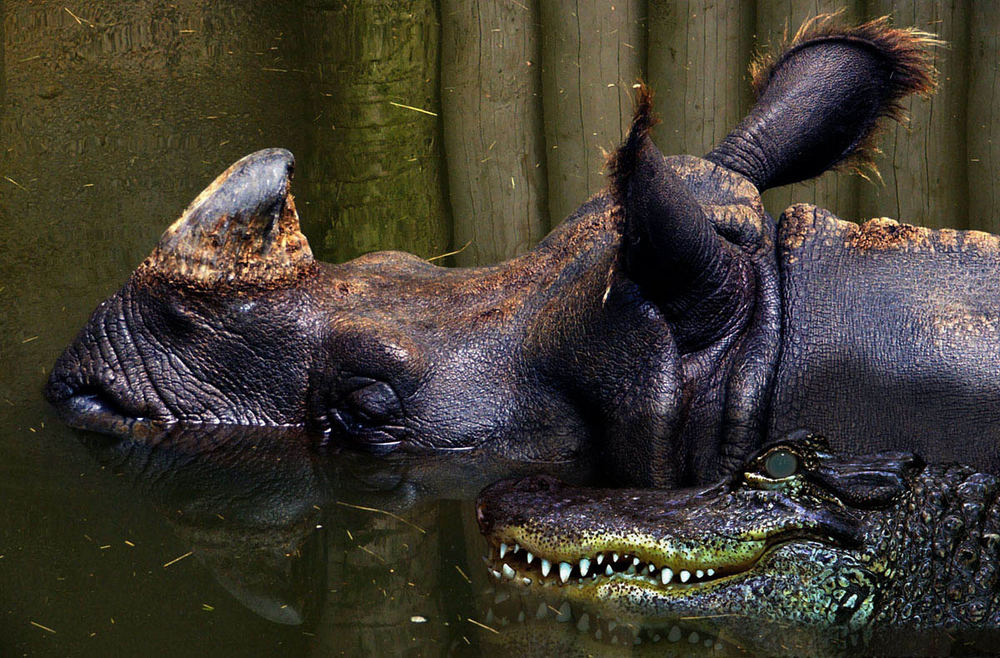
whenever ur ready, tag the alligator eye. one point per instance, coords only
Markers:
(781, 464)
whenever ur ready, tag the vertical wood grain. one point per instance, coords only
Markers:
(925, 165)
(983, 106)
(374, 172)
(494, 138)
(697, 65)
(592, 53)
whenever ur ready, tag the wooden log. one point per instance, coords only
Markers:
(493, 135)
(835, 190)
(697, 65)
(983, 107)
(374, 172)
(925, 165)
(592, 53)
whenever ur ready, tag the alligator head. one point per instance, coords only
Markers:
(795, 537)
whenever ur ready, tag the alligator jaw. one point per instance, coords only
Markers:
(668, 571)
(673, 547)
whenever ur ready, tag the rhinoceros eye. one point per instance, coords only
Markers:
(781, 463)
(375, 403)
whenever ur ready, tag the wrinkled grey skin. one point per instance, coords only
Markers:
(667, 327)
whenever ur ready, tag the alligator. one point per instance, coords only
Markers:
(798, 536)
(668, 327)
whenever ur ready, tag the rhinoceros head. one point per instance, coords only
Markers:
(619, 330)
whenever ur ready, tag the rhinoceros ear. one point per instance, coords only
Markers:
(243, 227)
(671, 249)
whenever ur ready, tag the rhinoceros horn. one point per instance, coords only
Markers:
(671, 248)
(241, 228)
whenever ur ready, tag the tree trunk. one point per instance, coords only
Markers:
(592, 53)
(697, 65)
(983, 106)
(491, 98)
(925, 164)
(374, 173)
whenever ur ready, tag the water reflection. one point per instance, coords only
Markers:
(354, 549)
(248, 505)
(381, 555)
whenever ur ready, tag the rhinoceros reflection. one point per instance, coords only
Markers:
(251, 516)
(349, 548)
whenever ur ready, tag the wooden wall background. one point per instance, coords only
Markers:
(531, 91)
(428, 125)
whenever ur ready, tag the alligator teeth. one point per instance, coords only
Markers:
(503, 550)
(517, 547)
(530, 557)
(546, 567)
(608, 570)
(564, 571)
(635, 562)
(600, 559)
(685, 575)
(526, 581)
(699, 574)
(584, 566)
(652, 568)
(614, 557)
(509, 571)
(710, 572)
(666, 575)
(496, 574)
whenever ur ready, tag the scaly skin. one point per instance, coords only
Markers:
(843, 543)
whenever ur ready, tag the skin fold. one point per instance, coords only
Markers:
(666, 328)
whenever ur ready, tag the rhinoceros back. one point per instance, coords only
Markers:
(891, 336)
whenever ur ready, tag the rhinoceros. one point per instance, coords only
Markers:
(668, 326)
